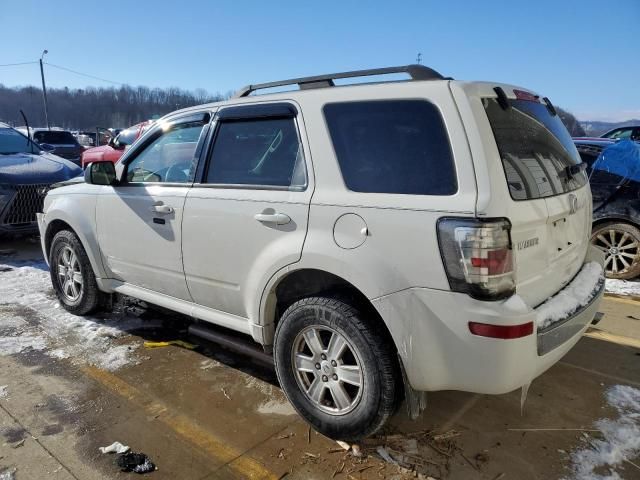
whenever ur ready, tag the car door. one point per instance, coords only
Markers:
(139, 220)
(246, 217)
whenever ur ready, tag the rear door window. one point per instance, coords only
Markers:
(258, 152)
(536, 150)
(392, 146)
(55, 137)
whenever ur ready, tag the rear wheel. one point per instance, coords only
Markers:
(72, 275)
(620, 243)
(336, 368)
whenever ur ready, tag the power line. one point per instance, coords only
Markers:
(82, 74)
(16, 64)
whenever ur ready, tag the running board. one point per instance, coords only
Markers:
(231, 342)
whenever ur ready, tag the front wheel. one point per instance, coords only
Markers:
(620, 243)
(336, 368)
(72, 275)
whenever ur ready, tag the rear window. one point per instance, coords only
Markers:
(535, 148)
(392, 146)
(55, 137)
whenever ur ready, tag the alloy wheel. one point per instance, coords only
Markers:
(328, 369)
(621, 250)
(69, 274)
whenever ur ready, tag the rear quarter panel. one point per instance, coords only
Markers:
(399, 249)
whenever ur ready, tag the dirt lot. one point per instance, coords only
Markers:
(70, 386)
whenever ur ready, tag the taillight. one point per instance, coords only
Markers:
(477, 256)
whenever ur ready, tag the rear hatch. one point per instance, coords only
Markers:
(547, 197)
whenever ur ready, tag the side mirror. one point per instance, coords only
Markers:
(101, 173)
(47, 147)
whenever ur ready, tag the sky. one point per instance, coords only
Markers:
(583, 55)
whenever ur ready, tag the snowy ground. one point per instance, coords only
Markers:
(45, 326)
(623, 287)
(619, 440)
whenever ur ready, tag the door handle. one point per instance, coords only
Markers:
(277, 218)
(162, 209)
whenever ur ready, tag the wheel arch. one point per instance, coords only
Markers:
(57, 220)
(293, 285)
(615, 218)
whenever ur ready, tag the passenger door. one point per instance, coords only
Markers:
(139, 221)
(246, 217)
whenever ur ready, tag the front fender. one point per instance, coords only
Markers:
(77, 210)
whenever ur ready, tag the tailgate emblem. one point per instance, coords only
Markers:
(531, 242)
(573, 204)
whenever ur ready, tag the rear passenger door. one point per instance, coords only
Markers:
(246, 215)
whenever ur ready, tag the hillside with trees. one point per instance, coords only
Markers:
(91, 107)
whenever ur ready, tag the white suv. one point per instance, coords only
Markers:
(380, 239)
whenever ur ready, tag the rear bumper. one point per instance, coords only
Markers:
(438, 351)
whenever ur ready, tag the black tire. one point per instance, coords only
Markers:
(609, 237)
(89, 297)
(378, 395)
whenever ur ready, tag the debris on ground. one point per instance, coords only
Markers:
(18, 444)
(8, 474)
(177, 343)
(5, 268)
(135, 462)
(115, 447)
(224, 392)
(4, 393)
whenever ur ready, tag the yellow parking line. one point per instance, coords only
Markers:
(217, 448)
(628, 301)
(609, 337)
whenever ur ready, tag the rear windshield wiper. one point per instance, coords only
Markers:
(571, 171)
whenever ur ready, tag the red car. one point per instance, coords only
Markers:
(116, 146)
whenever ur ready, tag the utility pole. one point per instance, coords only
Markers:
(44, 91)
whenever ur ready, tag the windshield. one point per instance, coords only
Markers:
(54, 137)
(12, 141)
(536, 150)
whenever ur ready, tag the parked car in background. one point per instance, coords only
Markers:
(624, 133)
(88, 139)
(381, 240)
(615, 185)
(116, 146)
(64, 144)
(590, 149)
(26, 174)
(631, 132)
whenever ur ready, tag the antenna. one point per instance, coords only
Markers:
(419, 58)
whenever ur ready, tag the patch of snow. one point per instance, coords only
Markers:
(575, 295)
(620, 440)
(50, 327)
(8, 474)
(17, 344)
(4, 393)
(622, 287)
(516, 304)
(276, 407)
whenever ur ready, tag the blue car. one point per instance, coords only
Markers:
(26, 175)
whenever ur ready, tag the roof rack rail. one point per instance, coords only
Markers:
(416, 72)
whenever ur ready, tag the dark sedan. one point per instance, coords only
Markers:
(26, 174)
(614, 175)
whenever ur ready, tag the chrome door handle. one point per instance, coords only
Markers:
(277, 218)
(162, 209)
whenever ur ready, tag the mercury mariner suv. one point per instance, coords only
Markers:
(380, 239)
